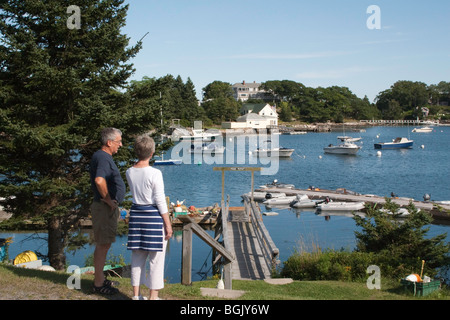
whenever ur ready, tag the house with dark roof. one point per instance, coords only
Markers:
(249, 90)
(255, 116)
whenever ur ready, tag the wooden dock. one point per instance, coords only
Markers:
(253, 260)
(242, 246)
(436, 210)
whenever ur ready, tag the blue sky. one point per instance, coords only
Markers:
(317, 43)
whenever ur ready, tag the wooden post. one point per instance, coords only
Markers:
(223, 169)
(186, 262)
(189, 227)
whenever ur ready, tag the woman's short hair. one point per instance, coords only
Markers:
(109, 134)
(144, 147)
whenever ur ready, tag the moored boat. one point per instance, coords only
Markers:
(262, 195)
(303, 201)
(397, 143)
(423, 129)
(345, 147)
(340, 206)
(207, 148)
(273, 152)
(280, 200)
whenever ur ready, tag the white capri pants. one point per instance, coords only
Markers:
(153, 278)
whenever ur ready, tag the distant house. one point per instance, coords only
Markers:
(249, 90)
(255, 116)
(264, 110)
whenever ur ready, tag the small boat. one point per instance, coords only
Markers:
(262, 195)
(345, 147)
(273, 152)
(280, 200)
(303, 201)
(340, 206)
(276, 184)
(400, 212)
(270, 213)
(169, 162)
(200, 134)
(207, 148)
(423, 129)
(295, 132)
(397, 143)
(349, 139)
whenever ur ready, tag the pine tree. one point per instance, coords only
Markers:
(60, 75)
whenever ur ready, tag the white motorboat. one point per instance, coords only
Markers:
(207, 148)
(168, 162)
(263, 195)
(349, 139)
(200, 134)
(303, 201)
(346, 146)
(340, 206)
(276, 184)
(423, 129)
(273, 152)
(280, 200)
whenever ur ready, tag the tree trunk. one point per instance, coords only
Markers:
(56, 244)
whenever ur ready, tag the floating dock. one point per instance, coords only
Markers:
(438, 211)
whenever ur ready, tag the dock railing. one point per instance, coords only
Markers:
(268, 247)
(222, 253)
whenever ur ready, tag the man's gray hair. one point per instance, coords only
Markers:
(109, 134)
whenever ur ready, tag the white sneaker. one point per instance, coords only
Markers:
(138, 298)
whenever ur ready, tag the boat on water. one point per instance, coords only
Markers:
(349, 139)
(200, 134)
(346, 146)
(276, 184)
(280, 200)
(169, 162)
(397, 143)
(273, 152)
(340, 206)
(207, 148)
(262, 195)
(303, 201)
(400, 212)
(270, 213)
(423, 129)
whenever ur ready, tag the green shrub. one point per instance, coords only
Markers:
(328, 265)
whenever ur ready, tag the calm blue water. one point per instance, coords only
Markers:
(407, 173)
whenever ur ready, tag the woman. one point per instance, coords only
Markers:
(149, 226)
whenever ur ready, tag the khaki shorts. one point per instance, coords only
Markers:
(104, 222)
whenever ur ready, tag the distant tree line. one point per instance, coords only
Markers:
(294, 101)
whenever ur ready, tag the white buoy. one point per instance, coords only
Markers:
(378, 153)
(320, 157)
(220, 284)
(422, 146)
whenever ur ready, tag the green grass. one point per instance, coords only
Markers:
(23, 284)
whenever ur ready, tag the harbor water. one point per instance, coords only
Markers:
(409, 173)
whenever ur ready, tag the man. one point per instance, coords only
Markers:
(109, 191)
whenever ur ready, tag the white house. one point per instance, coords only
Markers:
(248, 90)
(264, 110)
(255, 116)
